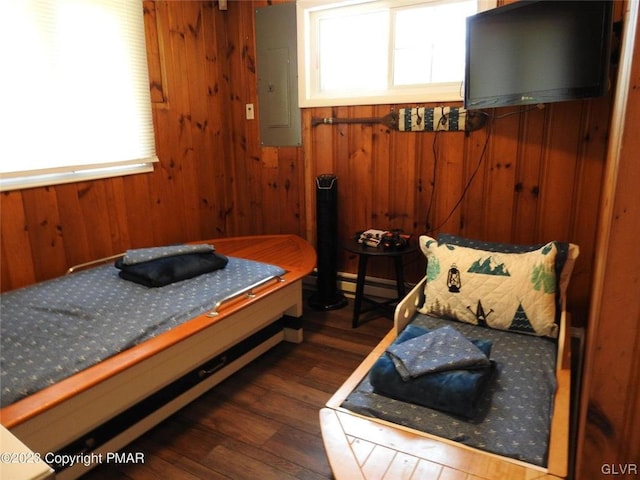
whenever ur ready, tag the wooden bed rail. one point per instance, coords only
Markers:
(409, 306)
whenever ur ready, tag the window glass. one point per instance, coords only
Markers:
(382, 51)
(352, 52)
(429, 43)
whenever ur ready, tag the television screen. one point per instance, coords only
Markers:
(537, 52)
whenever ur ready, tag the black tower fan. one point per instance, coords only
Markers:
(327, 296)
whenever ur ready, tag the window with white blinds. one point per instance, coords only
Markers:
(74, 92)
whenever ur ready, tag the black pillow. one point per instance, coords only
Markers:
(167, 270)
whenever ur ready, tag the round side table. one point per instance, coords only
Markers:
(364, 252)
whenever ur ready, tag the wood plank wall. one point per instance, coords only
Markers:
(531, 176)
(610, 401)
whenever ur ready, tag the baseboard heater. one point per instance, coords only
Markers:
(382, 288)
(118, 424)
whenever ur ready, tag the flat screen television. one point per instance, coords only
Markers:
(536, 52)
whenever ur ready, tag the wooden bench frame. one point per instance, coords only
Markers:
(360, 447)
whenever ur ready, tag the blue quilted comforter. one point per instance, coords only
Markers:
(513, 414)
(56, 328)
(439, 369)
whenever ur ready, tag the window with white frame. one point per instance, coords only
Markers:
(74, 92)
(382, 51)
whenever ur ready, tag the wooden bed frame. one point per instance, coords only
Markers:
(360, 447)
(104, 407)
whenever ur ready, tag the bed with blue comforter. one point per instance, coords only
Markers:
(91, 360)
(478, 361)
(62, 326)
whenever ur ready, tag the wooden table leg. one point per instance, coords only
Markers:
(362, 272)
(399, 277)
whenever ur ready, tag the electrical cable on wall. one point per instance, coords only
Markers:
(467, 185)
(433, 181)
(490, 120)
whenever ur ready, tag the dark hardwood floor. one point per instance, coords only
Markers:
(261, 423)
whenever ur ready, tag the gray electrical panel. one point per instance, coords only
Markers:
(277, 64)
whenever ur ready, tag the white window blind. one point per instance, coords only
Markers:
(74, 91)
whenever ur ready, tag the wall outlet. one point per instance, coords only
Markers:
(249, 111)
